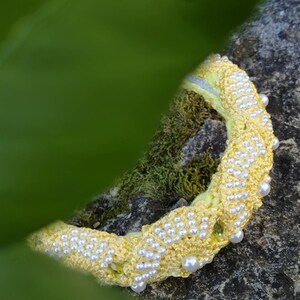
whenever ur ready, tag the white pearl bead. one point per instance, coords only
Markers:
(193, 230)
(245, 175)
(74, 232)
(182, 232)
(156, 257)
(108, 259)
(237, 237)
(275, 143)
(99, 251)
(81, 242)
(138, 288)
(268, 179)
(190, 214)
(250, 160)
(152, 273)
(161, 250)
(175, 238)
(232, 210)
(94, 257)
(203, 226)
(103, 265)
(83, 235)
(142, 252)
(103, 245)
(207, 260)
(192, 222)
(237, 223)
(238, 196)
(167, 225)
(149, 240)
(190, 264)
(168, 241)
(202, 235)
(263, 152)
(162, 235)
(157, 230)
(149, 255)
(171, 231)
(180, 224)
(110, 251)
(154, 245)
(264, 99)
(264, 189)
(145, 276)
(204, 219)
(138, 278)
(74, 239)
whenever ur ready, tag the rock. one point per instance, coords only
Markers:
(142, 211)
(181, 202)
(211, 136)
(266, 264)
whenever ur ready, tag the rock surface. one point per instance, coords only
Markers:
(266, 264)
(215, 141)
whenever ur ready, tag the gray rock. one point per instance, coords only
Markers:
(210, 137)
(181, 202)
(142, 211)
(266, 264)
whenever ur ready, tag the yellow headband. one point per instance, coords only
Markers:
(187, 238)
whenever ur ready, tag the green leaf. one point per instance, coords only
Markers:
(82, 87)
(13, 11)
(32, 276)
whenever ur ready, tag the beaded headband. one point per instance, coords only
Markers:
(189, 237)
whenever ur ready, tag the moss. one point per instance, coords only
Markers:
(194, 178)
(159, 174)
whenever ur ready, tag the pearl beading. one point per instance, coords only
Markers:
(187, 238)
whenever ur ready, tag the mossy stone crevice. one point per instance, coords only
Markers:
(160, 175)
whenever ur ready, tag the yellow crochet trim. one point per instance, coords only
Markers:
(188, 237)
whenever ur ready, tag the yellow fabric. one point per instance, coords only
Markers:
(204, 227)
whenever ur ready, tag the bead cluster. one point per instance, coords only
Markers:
(187, 238)
(162, 238)
(77, 242)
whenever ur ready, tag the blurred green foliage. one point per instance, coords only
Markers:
(14, 10)
(82, 86)
(28, 276)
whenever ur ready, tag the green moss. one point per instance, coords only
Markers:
(158, 174)
(194, 178)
